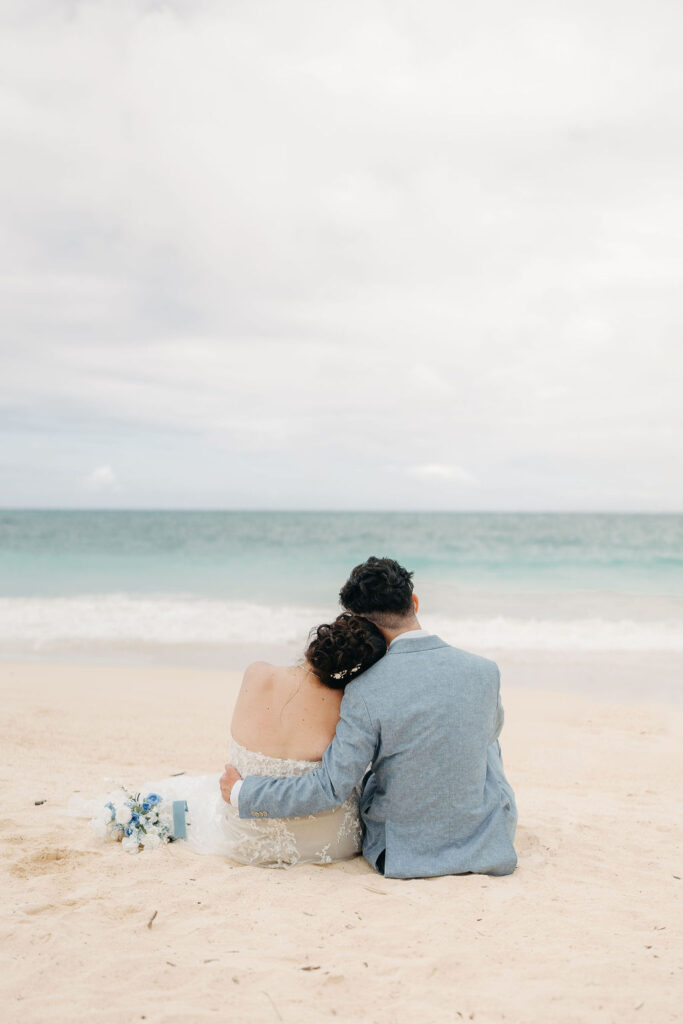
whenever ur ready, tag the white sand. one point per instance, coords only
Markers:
(587, 929)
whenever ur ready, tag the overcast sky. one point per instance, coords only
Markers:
(341, 255)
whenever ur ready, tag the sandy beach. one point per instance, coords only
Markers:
(587, 929)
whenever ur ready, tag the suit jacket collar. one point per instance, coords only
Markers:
(402, 645)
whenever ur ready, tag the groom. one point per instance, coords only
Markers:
(426, 720)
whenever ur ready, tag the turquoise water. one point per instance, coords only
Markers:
(304, 557)
(79, 582)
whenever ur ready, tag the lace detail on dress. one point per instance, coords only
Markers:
(252, 762)
(280, 842)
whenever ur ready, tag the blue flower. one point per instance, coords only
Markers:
(128, 830)
(134, 818)
(146, 805)
(153, 798)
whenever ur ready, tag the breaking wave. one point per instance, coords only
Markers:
(40, 624)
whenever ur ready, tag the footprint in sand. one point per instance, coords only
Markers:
(531, 849)
(44, 908)
(49, 859)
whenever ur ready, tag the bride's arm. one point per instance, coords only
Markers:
(344, 762)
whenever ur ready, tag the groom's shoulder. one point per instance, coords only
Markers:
(474, 661)
(446, 657)
(440, 658)
(435, 650)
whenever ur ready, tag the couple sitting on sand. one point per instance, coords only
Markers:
(383, 741)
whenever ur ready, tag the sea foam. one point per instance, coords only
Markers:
(82, 622)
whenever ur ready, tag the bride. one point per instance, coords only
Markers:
(284, 719)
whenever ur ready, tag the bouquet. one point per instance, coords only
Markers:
(140, 822)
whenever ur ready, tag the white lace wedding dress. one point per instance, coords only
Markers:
(214, 827)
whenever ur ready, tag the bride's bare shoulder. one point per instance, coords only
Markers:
(262, 689)
(256, 675)
(258, 670)
(261, 675)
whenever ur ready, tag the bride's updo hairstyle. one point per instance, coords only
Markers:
(339, 651)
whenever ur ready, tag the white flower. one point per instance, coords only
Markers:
(130, 844)
(123, 815)
(151, 841)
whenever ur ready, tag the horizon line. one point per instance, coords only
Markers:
(343, 511)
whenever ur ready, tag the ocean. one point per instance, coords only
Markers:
(220, 587)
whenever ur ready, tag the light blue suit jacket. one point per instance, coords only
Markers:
(426, 718)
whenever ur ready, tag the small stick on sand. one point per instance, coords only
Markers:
(279, 1016)
(149, 923)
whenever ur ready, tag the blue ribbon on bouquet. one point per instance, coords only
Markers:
(179, 812)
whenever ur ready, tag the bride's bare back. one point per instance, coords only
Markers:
(285, 712)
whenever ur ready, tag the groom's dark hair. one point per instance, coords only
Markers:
(380, 589)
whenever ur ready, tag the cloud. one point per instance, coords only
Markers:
(435, 471)
(102, 478)
(290, 254)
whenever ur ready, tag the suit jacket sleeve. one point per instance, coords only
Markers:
(344, 762)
